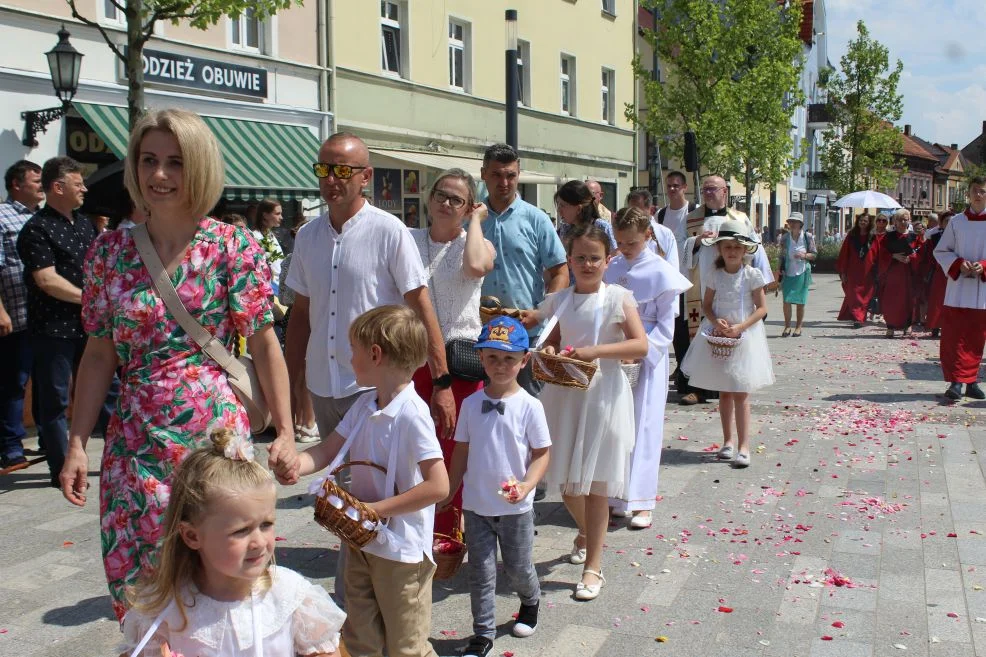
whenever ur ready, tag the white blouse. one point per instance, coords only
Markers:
(454, 294)
(294, 617)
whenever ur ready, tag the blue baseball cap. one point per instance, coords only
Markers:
(504, 333)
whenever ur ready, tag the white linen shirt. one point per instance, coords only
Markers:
(499, 448)
(404, 424)
(373, 262)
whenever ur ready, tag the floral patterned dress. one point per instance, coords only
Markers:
(172, 394)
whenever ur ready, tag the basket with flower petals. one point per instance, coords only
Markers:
(722, 347)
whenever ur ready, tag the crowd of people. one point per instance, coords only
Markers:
(368, 343)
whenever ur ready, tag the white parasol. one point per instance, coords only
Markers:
(866, 198)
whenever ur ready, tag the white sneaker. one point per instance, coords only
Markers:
(307, 434)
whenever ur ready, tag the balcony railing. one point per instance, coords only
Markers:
(818, 180)
(819, 116)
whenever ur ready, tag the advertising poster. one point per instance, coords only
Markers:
(411, 181)
(387, 190)
(412, 213)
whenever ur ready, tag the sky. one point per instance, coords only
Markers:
(942, 44)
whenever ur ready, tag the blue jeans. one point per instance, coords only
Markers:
(56, 361)
(515, 534)
(15, 354)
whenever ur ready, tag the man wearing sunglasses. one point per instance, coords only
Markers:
(353, 258)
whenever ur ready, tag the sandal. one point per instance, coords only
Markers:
(890, 334)
(589, 591)
(577, 556)
(797, 333)
(786, 332)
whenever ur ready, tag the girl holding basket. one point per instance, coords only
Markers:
(734, 358)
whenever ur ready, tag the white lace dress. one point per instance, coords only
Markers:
(748, 368)
(294, 617)
(454, 295)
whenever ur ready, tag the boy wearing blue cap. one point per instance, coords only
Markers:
(501, 452)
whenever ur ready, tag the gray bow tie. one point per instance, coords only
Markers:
(498, 406)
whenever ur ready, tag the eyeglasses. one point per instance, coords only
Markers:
(455, 202)
(340, 171)
(711, 190)
(674, 186)
(979, 191)
(592, 261)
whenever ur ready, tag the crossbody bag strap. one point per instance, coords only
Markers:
(151, 630)
(550, 326)
(166, 290)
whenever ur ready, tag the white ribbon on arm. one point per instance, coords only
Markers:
(315, 488)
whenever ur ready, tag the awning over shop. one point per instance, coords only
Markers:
(262, 159)
(472, 166)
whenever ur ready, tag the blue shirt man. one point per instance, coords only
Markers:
(530, 259)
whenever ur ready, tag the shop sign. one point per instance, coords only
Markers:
(795, 197)
(82, 144)
(206, 74)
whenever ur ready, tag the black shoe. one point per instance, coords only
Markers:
(478, 646)
(973, 390)
(857, 325)
(540, 493)
(527, 620)
(954, 391)
(8, 462)
(935, 333)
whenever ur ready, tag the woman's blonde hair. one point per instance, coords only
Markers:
(399, 333)
(631, 218)
(204, 476)
(203, 170)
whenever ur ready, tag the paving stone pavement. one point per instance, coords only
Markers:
(859, 530)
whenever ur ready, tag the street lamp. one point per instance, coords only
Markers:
(512, 77)
(64, 63)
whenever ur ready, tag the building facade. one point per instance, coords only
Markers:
(260, 85)
(423, 82)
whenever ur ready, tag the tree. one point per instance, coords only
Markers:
(142, 15)
(861, 147)
(733, 72)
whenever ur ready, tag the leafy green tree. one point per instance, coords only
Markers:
(732, 75)
(143, 15)
(862, 147)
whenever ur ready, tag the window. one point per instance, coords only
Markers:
(609, 6)
(247, 31)
(112, 13)
(568, 85)
(391, 45)
(458, 55)
(524, 73)
(608, 90)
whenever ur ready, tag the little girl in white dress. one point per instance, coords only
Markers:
(734, 305)
(215, 591)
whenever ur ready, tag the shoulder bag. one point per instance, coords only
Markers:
(241, 373)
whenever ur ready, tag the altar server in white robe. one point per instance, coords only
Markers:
(656, 285)
(961, 253)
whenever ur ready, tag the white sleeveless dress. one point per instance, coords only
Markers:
(592, 431)
(749, 367)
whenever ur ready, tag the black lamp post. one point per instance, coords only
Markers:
(512, 79)
(64, 63)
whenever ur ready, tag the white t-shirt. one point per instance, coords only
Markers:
(373, 262)
(404, 424)
(499, 447)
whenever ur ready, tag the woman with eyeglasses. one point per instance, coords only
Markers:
(855, 267)
(897, 256)
(456, 257)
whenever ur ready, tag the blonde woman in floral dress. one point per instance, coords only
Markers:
(172, 394)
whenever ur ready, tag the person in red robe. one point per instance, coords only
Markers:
(936, 278)
(879, 232)
(920, 288)
(855, 267)
(897, 262)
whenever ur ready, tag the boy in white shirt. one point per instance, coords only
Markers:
(388, 583)
(501, 437)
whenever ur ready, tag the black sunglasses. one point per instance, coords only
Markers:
(340, 171)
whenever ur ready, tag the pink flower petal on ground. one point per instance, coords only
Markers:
(838, 624)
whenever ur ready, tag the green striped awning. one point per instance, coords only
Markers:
(262, 159)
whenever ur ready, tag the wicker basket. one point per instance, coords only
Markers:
(344, 515)
(721, 346)
(449, 559)
(563, 371)
(632, 372)
(490, 307)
